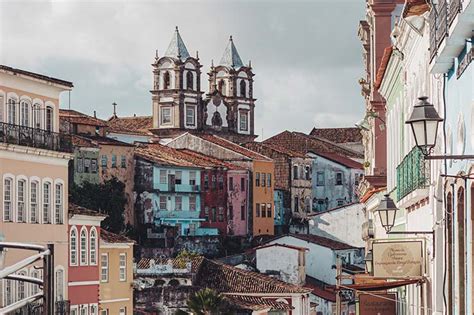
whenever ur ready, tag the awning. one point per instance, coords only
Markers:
(379, 286)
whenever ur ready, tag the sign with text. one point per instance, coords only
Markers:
(398, 259)
(382, 304)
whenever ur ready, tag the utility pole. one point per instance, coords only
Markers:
(338, 283)
(48, 286)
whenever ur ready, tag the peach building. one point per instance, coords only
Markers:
(116, 274)
(33, 175)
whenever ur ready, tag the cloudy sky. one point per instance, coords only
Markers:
(305, 54)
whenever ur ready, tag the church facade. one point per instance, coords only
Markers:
(179, 104)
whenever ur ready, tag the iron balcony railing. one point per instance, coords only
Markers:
(34, 137)
(413, 173)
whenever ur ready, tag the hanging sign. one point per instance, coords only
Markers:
(382, 304)
(398, 259)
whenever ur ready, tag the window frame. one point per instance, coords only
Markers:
(190, 119)
(59, 203)
(24, 198)
(163, 177)
(244, 123)
(168, 115)
(34, 202)
(176, 208)
(123, 268)
(339, 181)
(73, 246)
(123, 161)
(10, 201)
(104, 268)
(47, 205)
(93, 246)
(83, 248)
(160, 201)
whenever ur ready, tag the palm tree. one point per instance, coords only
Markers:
(205, 302)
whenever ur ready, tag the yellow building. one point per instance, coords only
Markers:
(34, 161)
(116, 274)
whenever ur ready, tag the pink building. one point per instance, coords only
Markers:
(83, 268)
(237, 198)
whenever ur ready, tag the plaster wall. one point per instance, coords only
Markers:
(284, 260)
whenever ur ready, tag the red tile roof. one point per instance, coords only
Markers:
(110, 237)
(338, 135)
(303, 143)
(209, 161)
(79, 141)
(415, 7)
(138, 125)
(234, 147)
(75, 117)
(107, 141)
(387, 53)
(341, 160)
(320, 289)
(75, 209)
(258, 146)
(255, 303)
(36, 76)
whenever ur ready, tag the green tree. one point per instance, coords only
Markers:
(205, 302)
(107, 198)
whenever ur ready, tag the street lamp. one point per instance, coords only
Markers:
(387, 211)
(368, 262)
(424, 121)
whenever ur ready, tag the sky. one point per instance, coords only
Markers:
(306, 55)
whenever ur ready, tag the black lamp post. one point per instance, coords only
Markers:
(387, 211)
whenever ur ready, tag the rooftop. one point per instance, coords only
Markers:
(177, 49)
(164, 155)
(255, 303)
(138, 125)
(36, 76)
(107, 141)
(234, 147)
(75, 209)
(387, 53)
(338, 135)
(316, 239)
(76, 117)
(269, 146)
(231, 57)
(282, 245)
(110, 237)
(145, 263)
(347, 162)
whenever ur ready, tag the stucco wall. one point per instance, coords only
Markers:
(238, 198)
(284, 260)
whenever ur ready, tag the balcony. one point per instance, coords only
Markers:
(35, 138)
(412, 174)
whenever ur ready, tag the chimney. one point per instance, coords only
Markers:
(95, 114)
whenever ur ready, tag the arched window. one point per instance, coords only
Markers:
(11, 111)
(21, 293)
(36, 116)
(49, 118)
(93, 246)
(83, 246)
(21, 199)
(461, 249)
(173, 282)
(7, 292)
(58, 204)
(24, 113)
(221, 86)
(166, 80)
(73, 247)
(34, 201)
(7, 199)
(35, 287)
(59, 280)
(46, 202)
(189, 80)
(243, 88)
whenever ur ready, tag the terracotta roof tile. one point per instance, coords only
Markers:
(164, 155)
(75, 209)
(256, 303)
(258, 146)
(415, 7)
(383, 66)
(110, 237)
(209, 161)
(228, 279)
(320, 289)
(75, 117)
(144, 263)
(234, 147)
(107, 141)
(338, 135)
(341, 160)
(36, 76)
(139, 125)
(79, 141)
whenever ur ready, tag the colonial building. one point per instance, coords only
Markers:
(34, 160)
(178, 105)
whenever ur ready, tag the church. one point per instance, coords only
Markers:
(180, 105)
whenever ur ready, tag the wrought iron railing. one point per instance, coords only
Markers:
(34, 137)
(413, 173)
(454, 8)
(433, 46)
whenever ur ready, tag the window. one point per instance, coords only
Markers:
(192, 178)
(165, 115)
(231, 183)
(189, 80)
(123, 311)
(206, 181)
(163, 176)
(213, 214)
(190, 115)
(59, 204)
(269, 180)
(87, 165)
(338, 179)
(340, 202)
(94, 165)
(46, 203)
(123, 161)
(83, 249)
(104, 267)
(166, 80)
(24, 114)
(220, 214)
(230, 215)
(104, 312)
(178, 203)
(222, 86)
(320, 179)
(242, 184)
(214, 184)
(296, 204)
(307, 169)
(11, 107)
(73, 246)
(93, 247)
(220, 181)
(192, 203)
(178, 177)
(244, 124)
(257, 210)
(104, 161)
(295, 171)
(35, 287)
(264, 179)
(21, 198)
(123, 267)
(263, 208)
(163, 203)
(8, 292)
(269, 210)
(36, 116)
(7, 199)
(59, 285)
(242, 212)
(49, 119)
(243, 88)
(34, 202)
(206, 213)
(114, 161)
(21, 294)
(94, 308)
(257, 179)
(80, 165)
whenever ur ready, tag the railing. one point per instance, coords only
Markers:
(454, 8)
(413, 173)
(34, 137)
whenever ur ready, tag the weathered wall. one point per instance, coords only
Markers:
(283, 260)
(238, 198)
(214, 208)
(86, 176)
